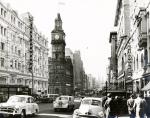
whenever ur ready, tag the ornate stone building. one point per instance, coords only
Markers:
(14, 51)
(60, 66)
(133, 45)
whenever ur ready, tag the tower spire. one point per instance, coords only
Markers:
(58, 22)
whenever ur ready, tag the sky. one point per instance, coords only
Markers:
(87, 24)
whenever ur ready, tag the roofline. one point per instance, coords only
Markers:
(117, 12)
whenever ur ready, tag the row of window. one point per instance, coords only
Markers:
(17, 65)
(20, 25)
(135, 62)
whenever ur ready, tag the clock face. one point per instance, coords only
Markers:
(56, 36)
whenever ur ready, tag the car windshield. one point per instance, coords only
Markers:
(96, 102)
(91, 102)
(77, 99)
(16, 99)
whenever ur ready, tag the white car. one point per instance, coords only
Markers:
(90, 107)
(19, 105)
(64, 102)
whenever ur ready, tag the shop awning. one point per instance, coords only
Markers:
(146, 87)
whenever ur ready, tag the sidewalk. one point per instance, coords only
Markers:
(124, 116)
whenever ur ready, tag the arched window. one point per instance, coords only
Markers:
(142, 61)
(134, 63)
(137, 62)
(145, 57)
(122, 63)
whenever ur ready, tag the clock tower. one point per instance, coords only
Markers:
(60, 66)
(58, 40)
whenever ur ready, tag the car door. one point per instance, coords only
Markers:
(29, 107)
(33, 105)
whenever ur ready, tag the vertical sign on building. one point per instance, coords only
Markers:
(31, 48)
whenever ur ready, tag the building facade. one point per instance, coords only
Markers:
(14, 51)
(60, 66)
(133, 52)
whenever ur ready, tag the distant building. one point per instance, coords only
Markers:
(14, 51)
(78, 72)
(60, 66)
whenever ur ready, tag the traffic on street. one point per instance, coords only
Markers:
(75, 59)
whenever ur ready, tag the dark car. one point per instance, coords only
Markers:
(45, 99)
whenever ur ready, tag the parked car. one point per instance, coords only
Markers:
(64, 102)
(19, 105)
(90, 107)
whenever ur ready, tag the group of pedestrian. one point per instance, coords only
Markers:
(111, 106)
(137, 107)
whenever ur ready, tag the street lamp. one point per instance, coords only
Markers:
(106, 87)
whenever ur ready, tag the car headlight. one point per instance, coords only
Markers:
(101, 114)
(76, 114)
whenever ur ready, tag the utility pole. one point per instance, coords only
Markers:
(106, 88)
(31, 50)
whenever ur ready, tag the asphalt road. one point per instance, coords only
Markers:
(46, 111)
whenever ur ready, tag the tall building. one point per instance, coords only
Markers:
(78, 72)
(133, 45)
(15, 32)
(60, 66)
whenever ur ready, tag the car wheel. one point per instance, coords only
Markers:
(35, 113)
(23, 114)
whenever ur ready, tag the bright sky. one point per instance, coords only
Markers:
(87, 24)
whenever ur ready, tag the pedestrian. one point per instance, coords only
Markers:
(106, 105)
(140, 106)
(147, 110)
(130, 103)
(113, 113)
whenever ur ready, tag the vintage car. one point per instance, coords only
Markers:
(19, 105)
(90, 107)
(63, 102)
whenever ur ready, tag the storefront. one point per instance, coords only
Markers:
(8, 90)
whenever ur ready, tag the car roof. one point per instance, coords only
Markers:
(65, 96)
(23, 95)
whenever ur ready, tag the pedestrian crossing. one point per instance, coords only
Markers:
(56, 115)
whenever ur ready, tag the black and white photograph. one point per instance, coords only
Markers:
(74, 58)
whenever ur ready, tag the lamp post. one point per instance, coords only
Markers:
(106, 87)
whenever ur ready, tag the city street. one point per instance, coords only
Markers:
(46, 111)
